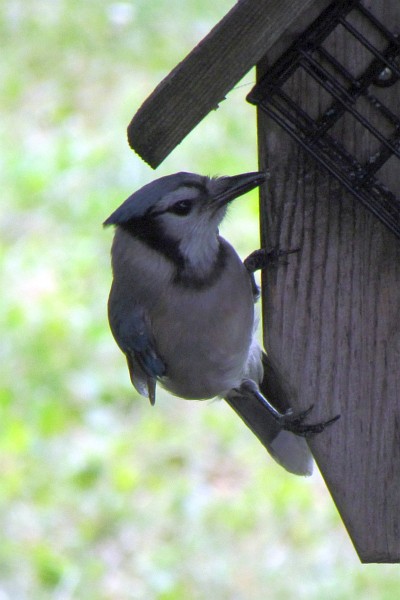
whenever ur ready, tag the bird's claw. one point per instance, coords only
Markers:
(295, 423)
(274, 254)
(263, 257)
(289, 421)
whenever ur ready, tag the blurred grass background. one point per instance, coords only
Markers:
(102, 496)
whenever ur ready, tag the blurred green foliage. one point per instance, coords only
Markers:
(102, 496)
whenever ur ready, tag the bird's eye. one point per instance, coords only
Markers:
(181, 208)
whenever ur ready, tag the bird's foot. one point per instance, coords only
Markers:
(295, 423)
(289, 421)
(260, 259)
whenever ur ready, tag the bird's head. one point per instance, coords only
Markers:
(179, 214)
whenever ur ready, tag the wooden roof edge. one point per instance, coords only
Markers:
(201, 81)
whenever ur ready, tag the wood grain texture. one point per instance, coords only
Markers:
(201, 81)
(332, 319)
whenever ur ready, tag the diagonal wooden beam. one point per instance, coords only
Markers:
(201, 81)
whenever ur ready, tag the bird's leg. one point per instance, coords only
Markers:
(289, 421)
(260, 259)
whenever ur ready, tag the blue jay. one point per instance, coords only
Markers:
(181, 308)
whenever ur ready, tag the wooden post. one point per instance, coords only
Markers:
(332, 315)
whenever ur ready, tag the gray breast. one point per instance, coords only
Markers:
(205, 335)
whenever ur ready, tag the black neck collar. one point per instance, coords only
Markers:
(147, 231)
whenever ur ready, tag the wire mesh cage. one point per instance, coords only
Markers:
(346, 99)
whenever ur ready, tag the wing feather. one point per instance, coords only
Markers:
(132, 332)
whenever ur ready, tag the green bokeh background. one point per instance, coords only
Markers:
(102, 496)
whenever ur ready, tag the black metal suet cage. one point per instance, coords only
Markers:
(345, 95)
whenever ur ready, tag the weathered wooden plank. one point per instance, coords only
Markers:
(332, 318)
(202, 80)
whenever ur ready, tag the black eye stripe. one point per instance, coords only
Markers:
(181, 208)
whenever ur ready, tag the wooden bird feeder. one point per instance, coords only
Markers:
(328, 109)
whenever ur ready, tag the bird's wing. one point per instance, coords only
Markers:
(133, 335)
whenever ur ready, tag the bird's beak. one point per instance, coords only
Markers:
(229, 188)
